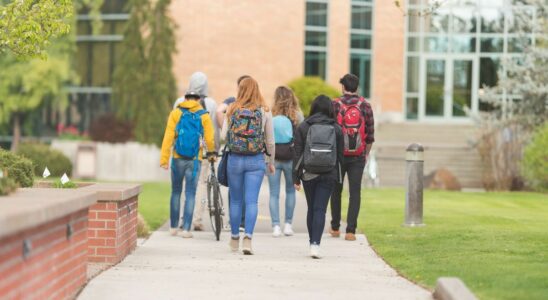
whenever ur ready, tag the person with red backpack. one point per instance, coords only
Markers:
(355, 116)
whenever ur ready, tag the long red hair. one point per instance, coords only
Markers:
(249, 96)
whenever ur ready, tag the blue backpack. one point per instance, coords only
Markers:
(188, 133)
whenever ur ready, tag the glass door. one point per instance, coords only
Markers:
(448, 85)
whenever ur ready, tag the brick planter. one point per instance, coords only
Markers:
(44, 246)
(43, 243)
(112, 229)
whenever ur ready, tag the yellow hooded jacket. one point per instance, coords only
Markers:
(173, 120)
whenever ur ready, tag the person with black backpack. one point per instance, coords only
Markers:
(287, 116)
(355, 116)
(187, 126)
(318, 156)
(248, 132)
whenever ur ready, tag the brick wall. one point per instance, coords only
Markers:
(54, 268)
(112, 230)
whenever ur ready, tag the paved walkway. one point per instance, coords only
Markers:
(167, 267)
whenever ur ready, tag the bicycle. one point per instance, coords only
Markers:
(215, 202)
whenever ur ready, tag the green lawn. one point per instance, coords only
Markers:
(497, 243)
(154, 203)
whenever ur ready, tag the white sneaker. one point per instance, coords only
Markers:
(276, 231)
(186, 234)
(173, 231)
(288, 231)
(315, 251)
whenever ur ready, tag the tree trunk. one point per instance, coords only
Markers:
(16, 132)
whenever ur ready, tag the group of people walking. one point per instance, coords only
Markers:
(313, 153)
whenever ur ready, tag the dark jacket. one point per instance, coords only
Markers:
(300, 139)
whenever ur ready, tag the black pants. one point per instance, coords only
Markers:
(353, 166)
(317, 193)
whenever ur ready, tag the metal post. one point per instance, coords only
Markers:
(414, 158)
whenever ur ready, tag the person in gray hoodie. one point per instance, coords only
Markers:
(198, 83)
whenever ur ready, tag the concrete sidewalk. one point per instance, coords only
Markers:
(167, 267)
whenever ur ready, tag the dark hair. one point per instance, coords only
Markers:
(322, 104)
(242, 78)
(350, 82)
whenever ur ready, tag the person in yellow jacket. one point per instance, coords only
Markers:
(186, 167)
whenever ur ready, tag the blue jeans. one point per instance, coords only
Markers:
(317, 191)
(245, 177)
(274, 184)
(183, 170)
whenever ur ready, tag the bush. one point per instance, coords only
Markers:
(59, 185)
(111, 130)
(18, 168)
(535, 160)
(308, 88)
(7, 185)
(43, 156)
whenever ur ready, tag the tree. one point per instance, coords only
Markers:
(27, 26)
(144, 84)
(519, 104)
(24, 85)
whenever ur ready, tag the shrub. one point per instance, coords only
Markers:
(59, 185)
(143, 230)
(19, 168)
(7, 185)
(308, 88)
(43, 156)
(111, 130)
(535, 160)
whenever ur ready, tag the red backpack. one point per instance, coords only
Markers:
(352, 121)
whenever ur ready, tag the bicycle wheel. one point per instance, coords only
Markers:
(217, 215)
(210, 205)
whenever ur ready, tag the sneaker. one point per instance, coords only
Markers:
(350, 236)
(288, 231)
(315, 251)
(186, 234)
(246, 246)
(334, 233)
(173, 231)
(242, 229)
(276, 231)
(198, 227)
(234, 243)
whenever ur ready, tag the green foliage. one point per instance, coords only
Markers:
(143, 230)
(7, 186)
(19, 168)
(495, 242)
(308, 88)
(59, 185)
(43, 156)
(535, 160)
(144, 85)
(27, 26)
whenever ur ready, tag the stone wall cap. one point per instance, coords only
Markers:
(114, 191)
(452, 288)
(30, 207)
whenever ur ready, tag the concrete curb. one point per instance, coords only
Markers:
(452, 288)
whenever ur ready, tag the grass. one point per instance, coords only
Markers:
(497, 243)
(154, 203)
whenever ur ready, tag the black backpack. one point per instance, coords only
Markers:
(320, 150)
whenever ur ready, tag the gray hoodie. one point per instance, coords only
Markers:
(198, 84)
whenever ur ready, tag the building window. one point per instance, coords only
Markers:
(454, 52)
(361, 26)
(96, 58)
(315, 55)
